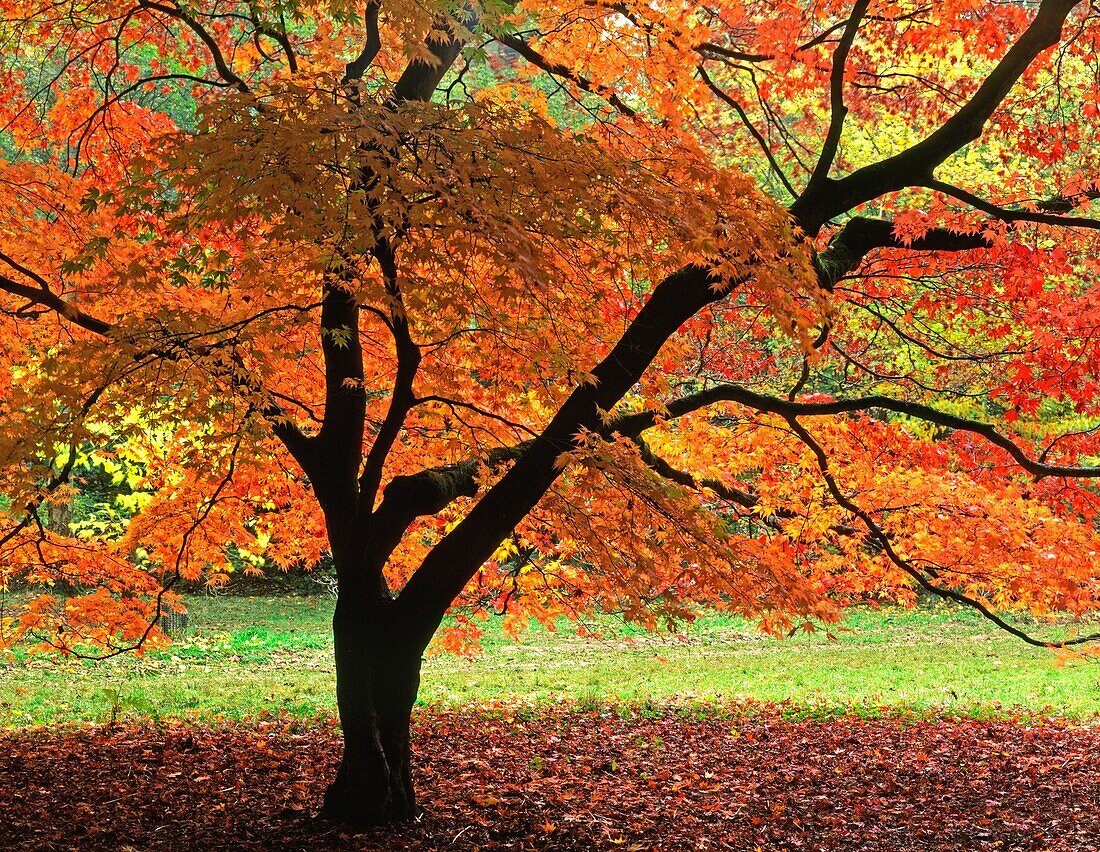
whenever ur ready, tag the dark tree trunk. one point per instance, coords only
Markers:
(377, 677)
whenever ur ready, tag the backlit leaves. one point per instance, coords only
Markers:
(185, 185)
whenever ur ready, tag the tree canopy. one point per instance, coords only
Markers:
(543, 307)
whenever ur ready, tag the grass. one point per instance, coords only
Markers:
(247, 656)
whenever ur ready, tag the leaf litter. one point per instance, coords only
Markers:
(569, 777)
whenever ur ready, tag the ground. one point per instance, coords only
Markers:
(571, 778)
(243, 656)
(908, 730)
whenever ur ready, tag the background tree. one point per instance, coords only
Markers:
(546, 308)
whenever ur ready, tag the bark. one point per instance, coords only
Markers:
(377, 677)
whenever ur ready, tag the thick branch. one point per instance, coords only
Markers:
(402, 399)
(339, 441)
(280, 37)
(409, 497)
(556, 69)
(1009, 214)
(787, 408)
(47, 298)
(836, 94)
(861, 235)
(355, 69)
(456, 558)
(420, 78)
(831, 198)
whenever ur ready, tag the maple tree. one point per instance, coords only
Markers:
(543, 308)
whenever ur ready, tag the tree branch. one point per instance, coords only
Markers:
(223, 69)
(861, 235)
(907, 565)
(733, 495)
(733, 104)
(1062, 203)
(1008, 214)
(682, 477)
(339, 443)
(282, 427)
(420, 78)
(355, 69)
(556, 69)
(429, 491)
(47, 298)
(838, 111)
(786, 408)
(450, 564)
(476, 409)
(830, 198)
(402, 398)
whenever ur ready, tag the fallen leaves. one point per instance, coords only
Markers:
(570, 778)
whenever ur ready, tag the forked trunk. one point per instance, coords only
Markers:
(377, 677)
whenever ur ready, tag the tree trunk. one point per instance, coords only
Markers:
(377, 677)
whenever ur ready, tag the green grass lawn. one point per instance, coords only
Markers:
(247, 656)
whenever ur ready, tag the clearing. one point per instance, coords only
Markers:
(908, 730)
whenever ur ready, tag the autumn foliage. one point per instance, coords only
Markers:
(572, 779)
(540, 308)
